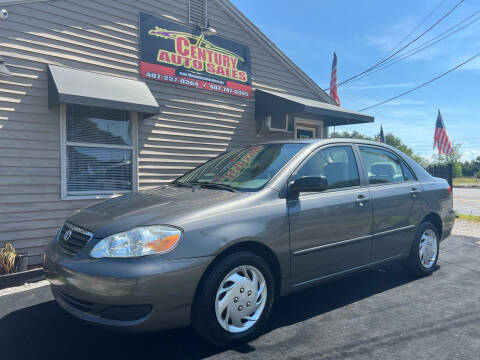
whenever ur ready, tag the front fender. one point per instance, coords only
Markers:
(266, 224)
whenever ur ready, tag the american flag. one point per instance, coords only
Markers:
(440, 139)
(333, 80)
(381, 137)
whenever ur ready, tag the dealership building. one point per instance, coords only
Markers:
(104, 97)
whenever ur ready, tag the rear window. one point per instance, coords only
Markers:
(382, 166)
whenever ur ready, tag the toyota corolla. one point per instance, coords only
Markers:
(217, 246)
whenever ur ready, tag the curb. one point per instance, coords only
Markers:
(466, 186)
(21, 278)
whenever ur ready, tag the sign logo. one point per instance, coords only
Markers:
(67, 235)
(177, 54)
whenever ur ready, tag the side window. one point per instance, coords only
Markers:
(336, 163)
(382, 165)
(407, 173)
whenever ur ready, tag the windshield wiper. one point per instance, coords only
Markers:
(184, 184)
(216, 186)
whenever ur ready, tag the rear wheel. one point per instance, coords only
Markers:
(425, 249)
(234, 300)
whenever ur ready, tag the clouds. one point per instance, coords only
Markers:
(443, 50)
(470, 154)
(473, 65)
(392, 35)
(364, 35)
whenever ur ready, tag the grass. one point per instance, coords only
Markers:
(466, 181)
(473, 218)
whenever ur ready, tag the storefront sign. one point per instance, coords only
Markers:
(178, 54)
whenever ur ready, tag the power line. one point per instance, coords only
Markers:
(477, 137)
(422, 47)
(418, 25)
(421, 85)
(402, 48)
(413, 143)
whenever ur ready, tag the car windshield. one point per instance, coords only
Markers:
(246, 169)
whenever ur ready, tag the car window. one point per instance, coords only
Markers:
(382, 165)
(407, 173)
(336, 163)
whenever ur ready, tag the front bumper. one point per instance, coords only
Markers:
(159, 291)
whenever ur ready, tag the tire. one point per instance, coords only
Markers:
(211, 317)
(416, 264)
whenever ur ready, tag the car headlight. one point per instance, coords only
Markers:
(139, 241)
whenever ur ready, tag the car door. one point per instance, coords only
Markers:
(330, 231)
(395, 195)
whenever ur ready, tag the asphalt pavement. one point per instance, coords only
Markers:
(467, 201)
(377, 314)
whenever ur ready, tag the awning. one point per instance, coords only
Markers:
(272, 103)
(71, 86)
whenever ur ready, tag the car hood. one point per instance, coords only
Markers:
(161, 205)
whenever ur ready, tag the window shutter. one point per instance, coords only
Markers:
(197, 12)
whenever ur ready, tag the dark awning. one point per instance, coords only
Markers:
(272, 103)
(71, 86)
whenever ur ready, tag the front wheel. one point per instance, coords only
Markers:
(424, 251)
(235, 299)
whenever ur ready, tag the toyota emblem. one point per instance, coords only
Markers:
(67, 235)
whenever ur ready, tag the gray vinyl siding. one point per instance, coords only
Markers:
(102, 36)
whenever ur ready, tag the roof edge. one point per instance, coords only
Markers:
(227, 5)
(20, 2)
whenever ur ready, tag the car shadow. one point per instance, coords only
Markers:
(45, 331)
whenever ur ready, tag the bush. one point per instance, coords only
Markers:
(7, 259)
(477, 174)
(457, 170)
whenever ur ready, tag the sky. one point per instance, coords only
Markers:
(363, 32)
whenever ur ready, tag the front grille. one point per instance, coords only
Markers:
(77, 240)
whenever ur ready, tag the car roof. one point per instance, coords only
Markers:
(326, 141)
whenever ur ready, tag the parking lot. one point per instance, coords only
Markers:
(378, 314)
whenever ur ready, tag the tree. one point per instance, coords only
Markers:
(353, 135)
(452, 158)
(457, 170)
(470, 168)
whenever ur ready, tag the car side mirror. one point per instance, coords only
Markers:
(308, 184)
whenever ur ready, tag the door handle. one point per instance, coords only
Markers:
(362, 200)
(414, 192)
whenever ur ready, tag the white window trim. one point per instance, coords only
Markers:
(317, 124)
(268, 121)
(307, 128)
(85, 195)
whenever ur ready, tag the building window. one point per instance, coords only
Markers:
(98, 151)
(197, 12)
(278, 122)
